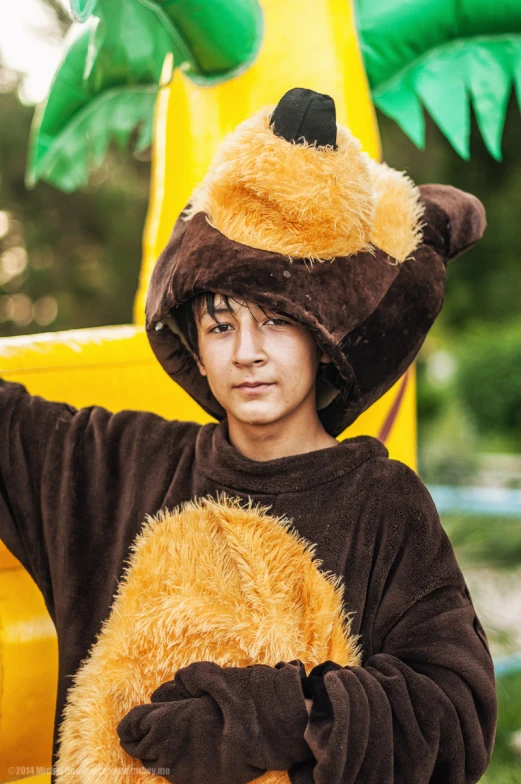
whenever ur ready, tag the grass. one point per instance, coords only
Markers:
(505, 765)
(495, 543)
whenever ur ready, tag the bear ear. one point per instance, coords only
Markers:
(454, 220)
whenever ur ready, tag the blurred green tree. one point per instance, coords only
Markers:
(488, 378)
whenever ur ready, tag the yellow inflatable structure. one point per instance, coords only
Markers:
(114, 366)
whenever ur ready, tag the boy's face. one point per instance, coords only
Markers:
(249, 345)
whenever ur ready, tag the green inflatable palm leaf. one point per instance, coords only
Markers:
(82, 146)
(104, 89)
(82, 9)
(438, 54)
(106, 85)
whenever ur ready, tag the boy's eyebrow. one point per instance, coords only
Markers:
(205, 312)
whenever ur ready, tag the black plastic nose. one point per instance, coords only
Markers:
(305, 114)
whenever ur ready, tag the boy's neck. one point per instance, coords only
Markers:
(278, 439)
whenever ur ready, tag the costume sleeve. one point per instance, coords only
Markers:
(454, 220)
(67, 476)
(30, 430)
(422, 708)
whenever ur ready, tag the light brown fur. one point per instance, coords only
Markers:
(305, 201)
(212, 580)
(397, 229)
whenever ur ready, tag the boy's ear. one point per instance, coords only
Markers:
(202, 369)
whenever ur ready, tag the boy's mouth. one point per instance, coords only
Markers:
(253, 386)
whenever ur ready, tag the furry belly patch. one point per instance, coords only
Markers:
(213, 580)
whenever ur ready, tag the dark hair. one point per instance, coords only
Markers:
(184, 315)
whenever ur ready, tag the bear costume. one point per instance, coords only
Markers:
(200, 597)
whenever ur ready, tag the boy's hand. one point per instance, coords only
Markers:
(182, 741)
(263, 705)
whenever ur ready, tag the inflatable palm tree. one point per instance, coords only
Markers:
(178, 75)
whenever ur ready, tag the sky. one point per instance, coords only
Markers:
(25, 47)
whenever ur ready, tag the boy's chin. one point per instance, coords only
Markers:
(257, 414)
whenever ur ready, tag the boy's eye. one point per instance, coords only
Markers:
(280, 320)
(217, 327)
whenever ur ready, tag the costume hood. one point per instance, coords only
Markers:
(214, 580)
(294, 216)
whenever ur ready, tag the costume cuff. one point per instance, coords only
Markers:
(282, 713)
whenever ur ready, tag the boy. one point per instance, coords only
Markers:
(296, 288)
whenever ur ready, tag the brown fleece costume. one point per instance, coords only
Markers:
(405, 691)
(76, 487)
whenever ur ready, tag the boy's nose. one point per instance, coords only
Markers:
(249, 346)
